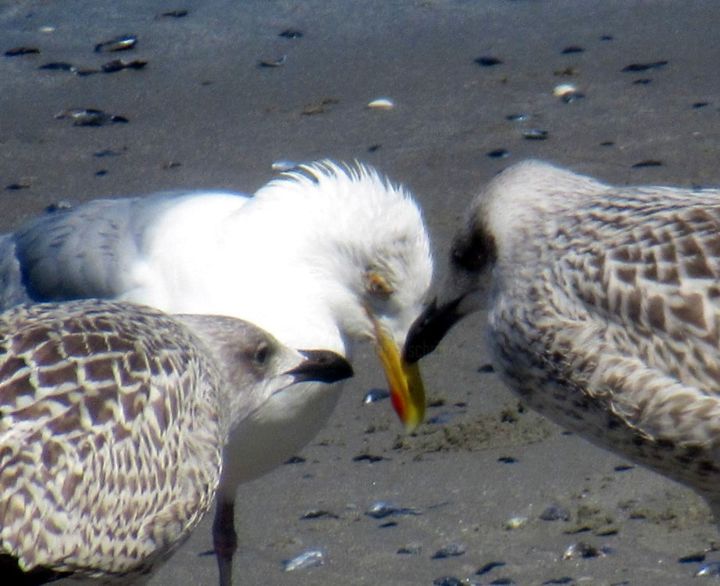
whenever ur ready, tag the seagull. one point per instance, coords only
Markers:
(604, 311)
(114, 418)
(324, 256)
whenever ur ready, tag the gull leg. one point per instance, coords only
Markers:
(224, 539)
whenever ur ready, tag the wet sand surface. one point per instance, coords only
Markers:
(477, 480)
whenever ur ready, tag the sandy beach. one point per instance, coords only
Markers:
(486, 492)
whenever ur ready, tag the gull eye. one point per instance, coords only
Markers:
(262, 354)
(377, 286)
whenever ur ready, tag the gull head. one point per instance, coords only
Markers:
(500, 222)
(369, 263)
(255, 365)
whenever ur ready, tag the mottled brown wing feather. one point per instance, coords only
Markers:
(644, 324)
(95, 469)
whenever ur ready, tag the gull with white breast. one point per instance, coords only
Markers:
(324, 256)
(113, 420)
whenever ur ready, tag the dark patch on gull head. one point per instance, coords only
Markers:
(473, 253)
(474, 249)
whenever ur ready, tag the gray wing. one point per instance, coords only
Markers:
(12, 290)
(79, 252)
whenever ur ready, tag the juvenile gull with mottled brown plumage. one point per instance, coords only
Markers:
(604, 311)
(113, 419)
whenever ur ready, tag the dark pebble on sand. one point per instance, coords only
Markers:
(271, 63)
(693, 558)
(607, 143)
(368, 458)
(535, 134)
(498, 154)
(583, 550)
(486, 368)
(319, 514)
(642, 81)
(86, 72)
(295, 460)
(20, 51)
(291, 33)
(489, 567)
(555, 513)
(517, 117)
(502, 582)
(410, 549)
(58, 66)
(698, 105)
(507, 460)
(563, 580)
(382, 509)
(572, 49)
(488, 61)
(175, 14)
(18, 186)
(109, 153)
(635, 67)
(90, 117)
(120, 64)
(647, 163)
(623, 467)
(449, 551)
(121, 43)
(101, 173)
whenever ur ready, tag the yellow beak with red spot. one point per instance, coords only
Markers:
(406, 387)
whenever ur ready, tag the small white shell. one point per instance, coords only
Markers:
(516, 523)
(381, 104)
(564, 89)
(307, 559)
(47, 29)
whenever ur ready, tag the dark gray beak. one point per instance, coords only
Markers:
(321, 366)
(429, 328)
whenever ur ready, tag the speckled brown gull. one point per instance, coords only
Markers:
(113, 419)
(324, 256)
(604, 311)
